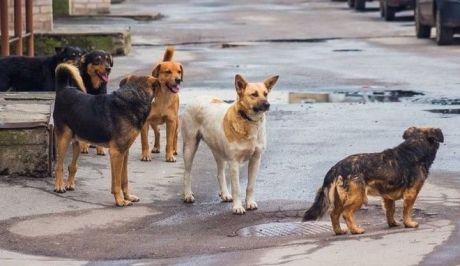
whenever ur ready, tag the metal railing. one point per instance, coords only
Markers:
(19, 35)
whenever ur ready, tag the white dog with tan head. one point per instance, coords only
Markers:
(235, 134)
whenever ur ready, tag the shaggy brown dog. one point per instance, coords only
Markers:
(165, 109)
(393, 174)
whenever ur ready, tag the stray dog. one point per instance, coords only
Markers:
(22, 73)
(393, 174)
(95, 69)
(234, 133)
(111, 120)
(165, 109)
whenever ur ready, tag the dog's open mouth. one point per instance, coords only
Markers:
(173, 87)
(103, 76)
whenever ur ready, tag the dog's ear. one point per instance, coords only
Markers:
(181, 72)
(409, 132)
(156, 71)
(240, 84)
(83, 59)
(123, 82)
(155, 83)
(436, 135)
(270, 82)
(58, 49)
(110, 58)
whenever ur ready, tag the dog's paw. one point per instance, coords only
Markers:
(123, 203)
(70, 187)
(393, 224)
(411, 224)
(251, 205)
(132, 198)
(357, 231)
(59, 189)
(170, 159)
(189, 198)
(146, 158)
(238, 209)
(100, 151)
(156, 150)
(225, 197)
(340, 232)
(84, 148)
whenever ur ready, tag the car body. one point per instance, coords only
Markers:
(442, 14)
(388, 8)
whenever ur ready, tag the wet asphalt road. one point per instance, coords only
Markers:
(314, 46)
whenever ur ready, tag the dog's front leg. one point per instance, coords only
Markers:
(253, 169)
(145, 143)
(171, 125)
(235, 179)
(116, 163)
(409, 198)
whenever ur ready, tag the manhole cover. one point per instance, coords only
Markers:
(286, 229)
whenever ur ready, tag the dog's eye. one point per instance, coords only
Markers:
(255, 94)
(168, 72)
(265, 94)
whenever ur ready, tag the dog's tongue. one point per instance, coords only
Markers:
(104, 77)
(174, 88)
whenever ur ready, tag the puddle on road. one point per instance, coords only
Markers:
(352, 96)
(445, 111)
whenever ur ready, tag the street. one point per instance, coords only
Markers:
(314, 46)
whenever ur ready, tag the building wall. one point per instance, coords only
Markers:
(89, 7)
(42, 12)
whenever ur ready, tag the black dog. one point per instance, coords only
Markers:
(393, 174)
(110, 120)
(95, 70)
(21, 73)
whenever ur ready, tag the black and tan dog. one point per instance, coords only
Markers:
(165, 109)
(393, 174)
(110, 120)
(22, 73)
(95, 70)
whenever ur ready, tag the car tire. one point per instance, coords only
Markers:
(389, 12)
(351, 3)
(360, 5)
(421, 31)
(444, 35)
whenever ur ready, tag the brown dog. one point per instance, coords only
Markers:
(393, 174)
(165, 109)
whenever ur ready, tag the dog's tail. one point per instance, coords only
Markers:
(68, 75)
(323, 198)
(169, 53)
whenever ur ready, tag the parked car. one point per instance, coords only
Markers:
(388, 8)
(442, 14)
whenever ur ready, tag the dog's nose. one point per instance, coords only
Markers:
(266, 105)
(108, 69)
(178, 80)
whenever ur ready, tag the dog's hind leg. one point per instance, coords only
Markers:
(191, 143)
(235, 178)
(116, 163)
(223, 190)
(353, 199)
(63, 138)
(156, 145)
(389, 206)
(145, 143)
(124, 181)
(73, 166)
(253, 169)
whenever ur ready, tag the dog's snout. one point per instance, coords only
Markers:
(108, 69)
(178, 80)
(266, 105)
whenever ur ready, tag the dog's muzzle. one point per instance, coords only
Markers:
(262, 107)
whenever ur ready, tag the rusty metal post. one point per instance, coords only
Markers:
(4, 27)
(30, 27)
(18, 26)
